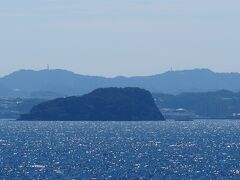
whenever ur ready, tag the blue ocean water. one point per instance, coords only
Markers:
(120, 150)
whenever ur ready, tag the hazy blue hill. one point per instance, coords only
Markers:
(45, 94)
(68, 83)
(4, 91)
(11, 92)
(59, 81)
(198, 80)
(105, 104)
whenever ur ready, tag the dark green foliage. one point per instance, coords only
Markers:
(106, 104)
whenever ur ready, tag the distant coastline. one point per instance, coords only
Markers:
(208, 105)
(200, 92)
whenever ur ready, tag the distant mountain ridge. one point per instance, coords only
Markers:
(62, 82)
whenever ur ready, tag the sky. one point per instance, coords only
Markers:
(126, 37)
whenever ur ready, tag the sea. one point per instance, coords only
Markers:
(201, 149)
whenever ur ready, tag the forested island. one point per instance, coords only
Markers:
(104, 104)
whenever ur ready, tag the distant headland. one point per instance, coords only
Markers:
(104, 104)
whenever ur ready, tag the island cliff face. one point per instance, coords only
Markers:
(105, 104)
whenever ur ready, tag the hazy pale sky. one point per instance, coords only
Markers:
(124, 37)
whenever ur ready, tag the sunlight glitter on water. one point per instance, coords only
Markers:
(110, 150)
